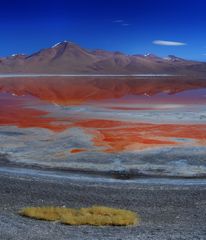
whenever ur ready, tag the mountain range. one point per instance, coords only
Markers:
(69, 58)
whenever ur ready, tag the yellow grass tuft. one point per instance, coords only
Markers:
(96, 215)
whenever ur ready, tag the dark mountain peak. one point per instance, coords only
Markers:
(57, 50)
(18, 56)
(151, 55)
(118, 53)
(65, 44)
(138, 55)
(174, 58)
(104, 53)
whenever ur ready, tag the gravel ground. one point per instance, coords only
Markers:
(167, 211)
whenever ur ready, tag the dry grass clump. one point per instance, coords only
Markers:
(96, 215)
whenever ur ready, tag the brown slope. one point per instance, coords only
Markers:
(62, 58)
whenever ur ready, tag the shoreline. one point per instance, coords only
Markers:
(165, 210)
(87, 75)
(85, 176)
(131, 175)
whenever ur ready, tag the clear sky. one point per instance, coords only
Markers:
(161, 27)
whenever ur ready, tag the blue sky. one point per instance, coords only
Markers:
(161, 27)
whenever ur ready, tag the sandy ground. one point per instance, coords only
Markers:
(176, 210)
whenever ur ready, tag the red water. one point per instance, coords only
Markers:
(14, 111)
(112, 135)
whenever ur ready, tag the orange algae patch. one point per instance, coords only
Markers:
(99, 123)
(13, 112)
(126, 139)
(113, 136)
(77, 150)
(133, 109)
(117, 136)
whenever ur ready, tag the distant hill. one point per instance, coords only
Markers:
(69, 58)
